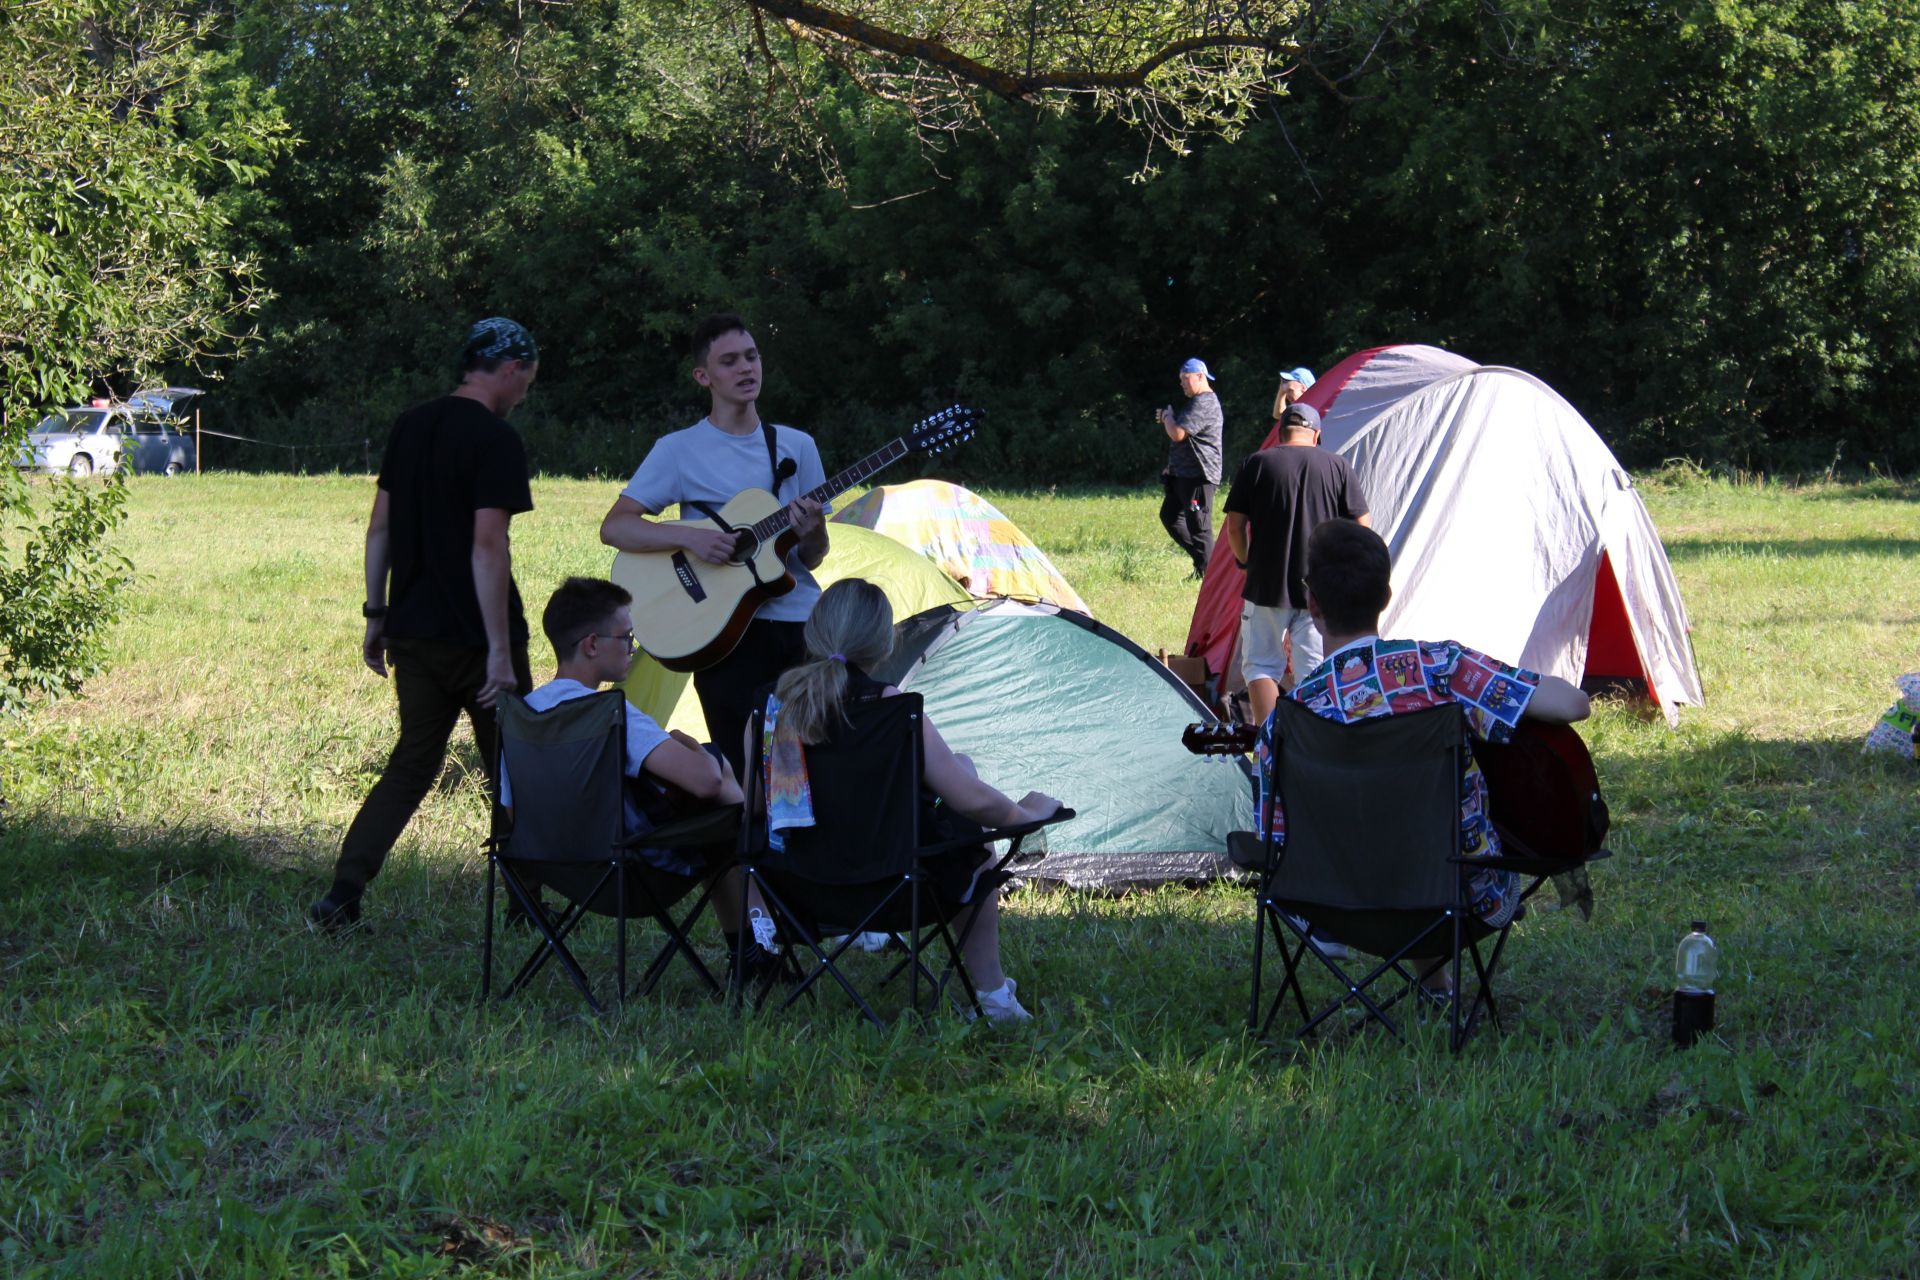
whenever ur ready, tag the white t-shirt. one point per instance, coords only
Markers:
(702, 463)
(643, 733)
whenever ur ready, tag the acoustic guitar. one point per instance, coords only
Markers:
(688, 614)
(1542, 790)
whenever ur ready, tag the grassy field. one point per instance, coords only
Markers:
(194, 1084)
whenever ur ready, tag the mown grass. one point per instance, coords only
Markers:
(193, 1084)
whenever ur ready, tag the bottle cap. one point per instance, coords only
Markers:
(1699, 926)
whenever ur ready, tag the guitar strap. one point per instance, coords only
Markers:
(779, 469)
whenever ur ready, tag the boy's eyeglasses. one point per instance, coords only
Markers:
(625, 637)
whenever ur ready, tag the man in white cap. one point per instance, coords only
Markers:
(1193, 464)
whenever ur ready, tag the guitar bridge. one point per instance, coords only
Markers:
(689, 580)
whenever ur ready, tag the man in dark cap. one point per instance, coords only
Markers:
(1280, 496)
(441, 607)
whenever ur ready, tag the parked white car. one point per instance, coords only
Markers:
(146, 429)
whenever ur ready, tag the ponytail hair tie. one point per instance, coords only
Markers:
(840, 658)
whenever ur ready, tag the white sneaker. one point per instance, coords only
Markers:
(1003, 1005)
(763, 930)
(1322, 943)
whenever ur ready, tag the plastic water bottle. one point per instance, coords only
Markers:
(1696, 967)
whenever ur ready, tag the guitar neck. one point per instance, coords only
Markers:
(837, 483)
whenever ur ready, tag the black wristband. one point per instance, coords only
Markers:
(370, 611)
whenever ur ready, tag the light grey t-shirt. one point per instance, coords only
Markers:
(705, 464)
(643, 733)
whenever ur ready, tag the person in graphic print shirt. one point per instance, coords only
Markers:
(1362, 676)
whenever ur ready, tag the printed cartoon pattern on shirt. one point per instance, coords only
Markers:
(1374, 677)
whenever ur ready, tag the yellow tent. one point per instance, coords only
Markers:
(912, 582)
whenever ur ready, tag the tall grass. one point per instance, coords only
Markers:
(194, 1084)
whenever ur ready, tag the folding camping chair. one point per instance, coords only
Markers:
(567, 768)
(861, 866)
(1372, 857)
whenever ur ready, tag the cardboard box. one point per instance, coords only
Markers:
(1192, 670)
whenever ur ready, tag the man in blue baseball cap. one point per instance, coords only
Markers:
(1193, 464)
(1293, 385)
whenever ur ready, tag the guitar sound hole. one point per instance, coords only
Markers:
(745, 548)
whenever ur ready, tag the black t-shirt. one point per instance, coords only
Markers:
(445, 460)
(1285, 492)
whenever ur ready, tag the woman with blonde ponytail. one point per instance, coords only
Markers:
(849, 632)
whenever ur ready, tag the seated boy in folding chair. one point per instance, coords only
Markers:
(671, 776)
(1348, 586)
(850, 630)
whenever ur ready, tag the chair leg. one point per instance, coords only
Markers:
(826, 962)
(913, 943)
(486, 946)
(554, 937)
(677, 943)
(620, 934)
(1458, 1036)
(1485, 973)
(1259, 960)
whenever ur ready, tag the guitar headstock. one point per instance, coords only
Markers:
(939, 431)
(1219, 738)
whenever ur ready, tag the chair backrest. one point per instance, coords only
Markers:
(1372, 808)
(865, 782)
(564, 767)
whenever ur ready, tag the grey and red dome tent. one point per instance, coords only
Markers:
(1513, 527)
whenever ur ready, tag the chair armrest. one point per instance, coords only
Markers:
(998, 833)
(1531, 864)
(1247, 850)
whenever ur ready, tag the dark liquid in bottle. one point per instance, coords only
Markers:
(1692, 1016)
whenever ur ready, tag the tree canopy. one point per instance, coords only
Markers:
(125, 146)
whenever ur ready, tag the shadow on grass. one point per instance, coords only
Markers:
(1775, 840)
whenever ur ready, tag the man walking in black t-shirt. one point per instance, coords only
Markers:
(1193, 464)
(441, 606)
(1280, 496)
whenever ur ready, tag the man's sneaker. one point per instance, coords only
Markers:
(758, 968)
(1003, 1005)
(337, 912)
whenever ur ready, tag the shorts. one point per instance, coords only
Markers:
(1263, 631)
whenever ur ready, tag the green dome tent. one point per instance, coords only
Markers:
(1048, 699)
(912, 582)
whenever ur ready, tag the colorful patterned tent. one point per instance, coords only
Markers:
(967, 537)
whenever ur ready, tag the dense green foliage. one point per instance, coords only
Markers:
(1697, 220)
(125, 145)
(195, 1085)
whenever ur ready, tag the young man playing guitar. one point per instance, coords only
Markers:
(727, 451)
(1348, 574)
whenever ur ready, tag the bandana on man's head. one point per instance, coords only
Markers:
(497, 337)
